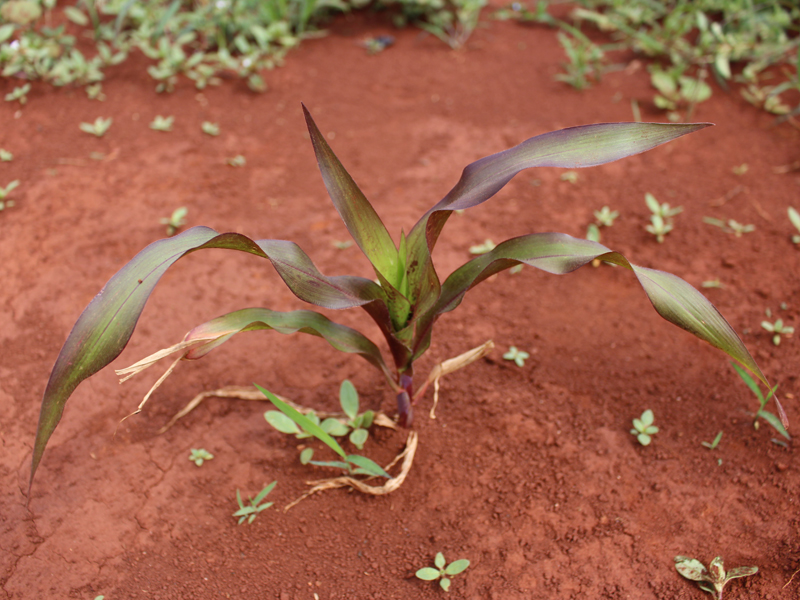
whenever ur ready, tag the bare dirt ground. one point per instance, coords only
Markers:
(530, 473)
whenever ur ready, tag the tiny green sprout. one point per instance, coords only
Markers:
(658, 227)
(175, 221)
(210, 128)
(19, 94)
(665, 211)
(794, 217)
(777, 328)
(605, 216)
(441, 572)
(5, 155)
(487, 246)
(740, 169)
(518, 356)
(643, 428)
(762, 400)
(98, 128)
(570, 176)
(162, 123)
(4, 191)
(199, 456)
(715, 443)
(237, 161)
(732, 226)
(342, 245)
(713, 579)
(95, 92)
(712, 283)
(249, 513)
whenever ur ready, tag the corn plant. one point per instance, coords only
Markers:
(408, 297)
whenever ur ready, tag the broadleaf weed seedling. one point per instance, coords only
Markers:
(98, 128)
(605, 216)
(661, 219)
(249, 513)
(777, 329)
(732, 226)
(643, 428)
(210, 128)
(199, 455)
(518, 356)
(162, 123)
(443, 572)
(487, 246)
(410, 297)
(237, 161)
(713, 445)
(175, 221)
(762, 400)
(713, 579)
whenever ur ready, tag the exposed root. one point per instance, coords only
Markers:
(395, 482)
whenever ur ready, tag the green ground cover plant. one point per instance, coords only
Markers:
(408, 298)
(200, 455)
(643, 428)
(443, 572)
(714, 579)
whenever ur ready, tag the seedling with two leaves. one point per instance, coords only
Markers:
(409, 296)
(643, 428)
(441, 572)
(770, 418)
(713, 579)
(518, 356)
(353, 464)
(249, 512)
(355, 424)
(713, 445)
(98, 128)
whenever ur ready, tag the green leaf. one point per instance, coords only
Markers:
(741, 572)
(334, 427)
(358, 437)
(368, 465)
(76, 16)
(749, 382)
(306, 424)
(775, 422)
(439, 560)
(691, 568)
(106, 325)
(428, 574)
(454, 568)
(357, 213)
(570, 148)
(348, 398)
(445, 584)
(281, 422)
(336, 464)
(263, 493)
(305, 456)
(647, 417)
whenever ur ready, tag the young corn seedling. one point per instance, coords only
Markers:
(175, 221)
(714, 579)
(409, 296)
(441, 572)
(98, 128)
(777, 329)
(199, 455)
(4, 191)
(794, 217)
(643, 428)
(732, 226)
(250, 512)
(353, 464)
(162, 123)
(762, 401)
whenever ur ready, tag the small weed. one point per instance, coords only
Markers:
(162, 123)
(487, 246)
(5, 155)
(712, 283)
(661, 218)
(237, 161)
(175, 221)
(200, 455)
(342, 244)
(740, 169)
(605, 216)
(441, 572)
(715, 443)
(453, 26)
(4, 191)
(643, 428)
(250, 513)
(210, 128)
(777, 329)
(98, 128)
(658, 227)
(518, 356)
(713, 579)
(678, 91)
(762, 400)
(570, 176)
(794, 217)
(95, 92)
(19, 94)
(732, 226)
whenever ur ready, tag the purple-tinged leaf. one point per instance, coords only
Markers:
(357, 213)
(106, 325)
(572, 148)
(558, 253)
(216, 332)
